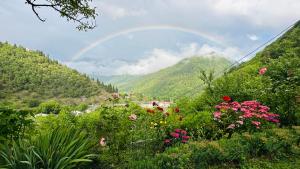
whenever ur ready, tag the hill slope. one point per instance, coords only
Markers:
(179, 80)
(25, 73)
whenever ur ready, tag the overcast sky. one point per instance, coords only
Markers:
(143, 36)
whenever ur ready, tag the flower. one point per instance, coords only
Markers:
(226, 98)
(167, 141)
(115, 95)
(102, 142)
(132, 117)
(175, 135)
(185, 137)
(177, 110)
(180, 118)
(177, 130)
(150, 111)
(231, 126)
(240, 122)
(184, 141)
(256, 123)
(262, 70)
(217, 115)
(160, 108)
(183, 132)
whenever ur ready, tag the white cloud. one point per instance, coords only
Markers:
(252, 37)
(117, 12)
(260, 12)
(160, 58)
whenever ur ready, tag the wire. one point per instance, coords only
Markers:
(251, 52)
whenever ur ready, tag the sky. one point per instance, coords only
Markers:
(143, 36)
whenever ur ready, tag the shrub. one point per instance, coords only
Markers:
(50, 107)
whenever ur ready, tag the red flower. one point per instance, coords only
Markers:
(176, 110)
(150, 111)
(160, 108)
(226, 98)
(262, 70)
(166, 114)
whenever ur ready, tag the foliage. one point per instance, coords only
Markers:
(57, 148)
(13, 123)
(78, 11)
(32, 75)
(49, 107)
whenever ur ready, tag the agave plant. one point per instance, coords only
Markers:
(59, 148)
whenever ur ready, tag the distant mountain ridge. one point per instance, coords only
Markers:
(181, 79)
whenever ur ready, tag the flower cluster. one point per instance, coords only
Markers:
(234, 114)
(178, 135)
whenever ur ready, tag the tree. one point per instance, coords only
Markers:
(78, 11)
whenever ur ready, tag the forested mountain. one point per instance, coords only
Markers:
(173, 82)
(24, 72)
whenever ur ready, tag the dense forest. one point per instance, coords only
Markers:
(32, 74)
(181, 79)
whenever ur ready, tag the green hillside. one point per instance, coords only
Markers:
(29, 75)
(179, 80)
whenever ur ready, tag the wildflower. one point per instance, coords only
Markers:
(176, 110)
(185, 137)
(167, 141)
(132, 117)
(115, 95)
(256, 123)
(160, 108)
(150, 111)
(184, 141)
(231, 126)
(177, 130)
(262, 70)
(183, 132)
(226, 98)
(175, 135)
(217, 115)
(102, 142)
(154, 104)
(240, 122)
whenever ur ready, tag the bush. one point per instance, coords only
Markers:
(50, 107)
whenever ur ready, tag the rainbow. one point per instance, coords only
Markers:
(216, 39)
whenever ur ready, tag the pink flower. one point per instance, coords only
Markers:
(177, 130)
(167, 141)
(184, 141)
(185, 137)
(183, 132)
(175, 135)
(217, 115)
(102, 142)
(132, 117)
(240, 122)
(256, 123)
(231, 126)
(262, 70)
